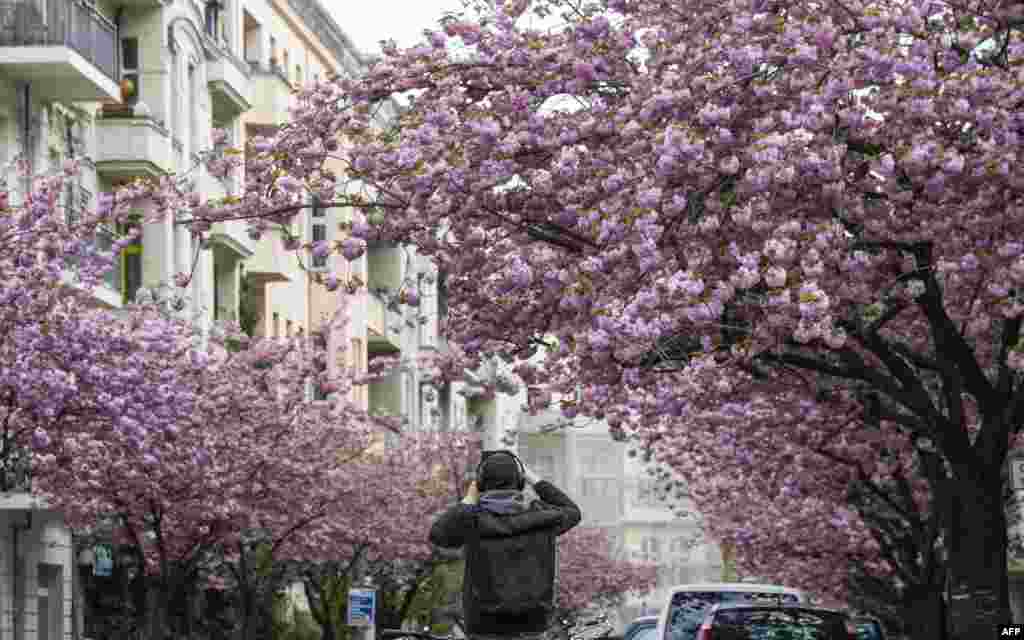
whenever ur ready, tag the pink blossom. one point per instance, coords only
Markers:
(353, 248)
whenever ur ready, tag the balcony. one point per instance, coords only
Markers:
(271, 96)
(130, 147)
(228, 79)
(63, 48)
(384, 326)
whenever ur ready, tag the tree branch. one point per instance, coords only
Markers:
(948, 340)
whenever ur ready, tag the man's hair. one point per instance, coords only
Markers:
(500, 471)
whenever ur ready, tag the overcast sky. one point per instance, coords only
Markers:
(368, 22)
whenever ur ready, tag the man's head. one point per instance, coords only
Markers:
(500, 470)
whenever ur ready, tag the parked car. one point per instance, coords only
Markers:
(643, 628)
(775, 622)
(687, 604)
(869, 628)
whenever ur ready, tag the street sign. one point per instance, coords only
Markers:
(1017, 473)
(362, 605)
(103, 560)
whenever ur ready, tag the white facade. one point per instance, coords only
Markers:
(37, 572)
(616, 492)
(61, 101)
(37, 559)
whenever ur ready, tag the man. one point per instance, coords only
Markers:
(511, 565)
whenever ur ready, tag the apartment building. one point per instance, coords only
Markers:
(58, 63)
(133, 89)
(289, 44)
(623, 495)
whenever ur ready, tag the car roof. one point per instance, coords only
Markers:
(785, 607)
(742, 587)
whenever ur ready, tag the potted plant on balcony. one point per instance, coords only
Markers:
(128, 89)
(124, 108)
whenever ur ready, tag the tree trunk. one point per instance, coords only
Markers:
(157, 610)
(978, 587)
(327, 630)
(245, 595)
(926, 614)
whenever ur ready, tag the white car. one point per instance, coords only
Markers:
(687, 604)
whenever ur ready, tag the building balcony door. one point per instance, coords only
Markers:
(50, 603)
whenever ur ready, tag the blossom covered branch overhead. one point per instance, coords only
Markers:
(708, 214)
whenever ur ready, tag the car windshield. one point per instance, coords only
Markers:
(688, 608)
(777, 624)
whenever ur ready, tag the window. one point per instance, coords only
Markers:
(650, 549)
(188, 118)
(273, 52)
(688, 608)
(597, 488)
(131, 268)
(49, 602)
(545, 465)
(649, 493)
(214, 21)
(319, 395)
(679, 546)
(288, 328)
(130, 69)
(284, 64)
(76, 201)
(298, 74)
(318, 229)
(357, 360)
(598, 458)
(174, 116)
(682, 574)
(277, 325)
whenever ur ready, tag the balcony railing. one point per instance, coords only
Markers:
(68, 23)
(15, 469)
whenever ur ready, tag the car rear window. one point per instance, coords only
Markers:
(777, 624)
(688, 608)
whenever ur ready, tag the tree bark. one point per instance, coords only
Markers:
(157, 609)
(244, 594)
(926, 614)
(979, 586)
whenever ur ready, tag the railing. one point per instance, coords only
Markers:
(15, 469)
(69, 23)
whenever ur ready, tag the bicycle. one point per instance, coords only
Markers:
(592, 630)
(394, 634)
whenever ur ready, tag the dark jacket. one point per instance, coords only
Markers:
(498, 516)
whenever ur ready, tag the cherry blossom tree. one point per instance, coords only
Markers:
(746, 208)
(247, 451)
(799, 512)
(590, 574)
(65, 365)
(383, 531)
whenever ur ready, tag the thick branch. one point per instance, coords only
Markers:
(949, 343)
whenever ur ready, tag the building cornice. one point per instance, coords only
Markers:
(319, 21)
(227, 241)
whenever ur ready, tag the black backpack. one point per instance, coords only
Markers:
(513, 576)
